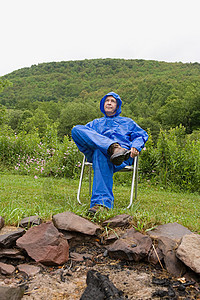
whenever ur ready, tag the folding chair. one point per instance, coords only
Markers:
(133, 168)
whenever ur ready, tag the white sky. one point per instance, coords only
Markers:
(37, 31)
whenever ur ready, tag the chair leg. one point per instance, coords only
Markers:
(90, 180)
(80, 181)
(136, 179)
(133, 181)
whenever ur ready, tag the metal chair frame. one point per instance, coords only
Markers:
(134, 184)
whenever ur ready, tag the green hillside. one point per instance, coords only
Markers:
(154, 94)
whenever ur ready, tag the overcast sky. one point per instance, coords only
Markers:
(37, 31)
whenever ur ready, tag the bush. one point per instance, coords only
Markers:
(28, 154)
(174, 161)
(178, 159)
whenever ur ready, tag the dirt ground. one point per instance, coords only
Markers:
(69, 281)
(136, 284)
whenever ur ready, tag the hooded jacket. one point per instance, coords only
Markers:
(124, 130)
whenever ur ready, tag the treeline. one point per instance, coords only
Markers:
(157, 95)
(40, 105)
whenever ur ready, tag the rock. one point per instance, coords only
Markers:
(79, 257)
(189, 251)
(155, 255)
(76, 256)
(118, 221)
(45, 244)
(28, 269)
(131, 246)
(174, 231)
(8, 240)
(173, 265)
(169, 237)
(30, 221)
(1, 222)
(111, 238)
(71, 222)
(166, 244)
(6, 269)
(8, 293)
(75, 238)
(112, 235)
(11, 253)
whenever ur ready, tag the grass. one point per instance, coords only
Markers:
(23, 196)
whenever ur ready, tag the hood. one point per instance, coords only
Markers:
(119, 103)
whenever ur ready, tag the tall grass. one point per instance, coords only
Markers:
(174, 161)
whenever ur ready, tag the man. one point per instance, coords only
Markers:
(110, 143)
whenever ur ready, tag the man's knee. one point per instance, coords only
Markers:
(75, 130)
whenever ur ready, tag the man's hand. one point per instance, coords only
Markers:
(134, 152)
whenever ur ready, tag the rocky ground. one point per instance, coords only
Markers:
(135, 280)
(127, 258)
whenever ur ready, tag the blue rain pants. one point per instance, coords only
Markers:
(94, 146)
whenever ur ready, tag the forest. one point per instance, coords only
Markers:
(42, 103)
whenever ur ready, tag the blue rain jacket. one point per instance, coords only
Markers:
(121, 129)
(94, 139)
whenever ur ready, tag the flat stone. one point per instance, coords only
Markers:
(8, 229)
(6, 269)
(11, 293)
(168, 247)
(80, 256)
(189, 251)
(132, 246)
(166, 244)
(118, 221)
(76, 256)
(173, 265)
(11, 253)
(28, 269)
(1, 222)
(45, 244)
(8, 240)
(30, 221)
(173, 231)
(71, 222)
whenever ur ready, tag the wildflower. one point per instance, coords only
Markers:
(35, 177)
(16, 168)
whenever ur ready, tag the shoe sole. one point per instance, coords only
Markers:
(119, 158)
(92, 211)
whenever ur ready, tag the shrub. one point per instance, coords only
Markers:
(28, 154)
(173, 161)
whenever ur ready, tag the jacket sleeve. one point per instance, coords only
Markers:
(138, 137)
(92, 124)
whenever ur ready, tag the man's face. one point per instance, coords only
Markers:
(110, 106)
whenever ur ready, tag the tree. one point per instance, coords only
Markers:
(39, 121)
(3, 115)
(75, 113)
(4, 83)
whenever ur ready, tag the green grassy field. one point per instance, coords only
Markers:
(23, 196)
